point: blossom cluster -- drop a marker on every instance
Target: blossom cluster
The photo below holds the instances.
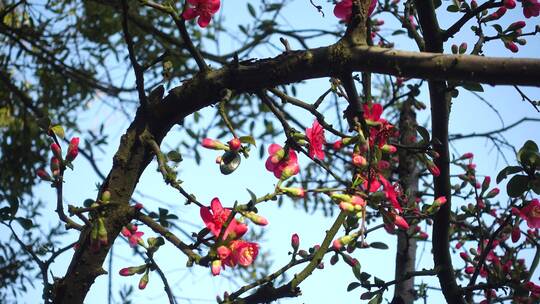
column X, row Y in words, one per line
column 231, row 249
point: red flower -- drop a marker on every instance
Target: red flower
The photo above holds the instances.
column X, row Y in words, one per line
column 343, row 9
column 282, row 167
column 373, row 113
column 315, row 136
column 202, row 8
column 531, row 213
column 134, row 236
column 215, row 216
column 531, row 8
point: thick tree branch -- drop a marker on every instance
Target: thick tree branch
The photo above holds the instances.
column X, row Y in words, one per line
column 440, row 100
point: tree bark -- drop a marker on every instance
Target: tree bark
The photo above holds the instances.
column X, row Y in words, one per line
column 408, row 177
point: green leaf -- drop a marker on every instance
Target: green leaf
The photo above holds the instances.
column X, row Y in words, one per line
column 535, row 186
column 452, row 8
column 498, row 28
column 378, row 245
column 473, row 86
column 398, row 32
column 507, row 171
column 251, row 10
column 517, row 185
column 437, row 3
column 58, row 130
column 248, row 140
column 25, row 223
column 423, row 132
column 528, row 154
column 364, row 276
column 352, row 286
column 253, row 196
column 356, row 271
column 174, row 156
column 378, row 281
column 376, row 300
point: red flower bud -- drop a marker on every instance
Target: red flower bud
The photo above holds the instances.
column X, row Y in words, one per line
column 213, row 144
column 511, row 46
column 42, row 174
column 295, row 242
column 516, row 234
column 401, row 222
column 73, row 149
column 235, row 144
column 509, row 4
column 57, row 151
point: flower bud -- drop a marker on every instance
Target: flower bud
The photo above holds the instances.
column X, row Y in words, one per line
column 297, row 192
column 215, row 267
column 214, row 144
column 102, row 232
column 454, row 49
column 516, row 26
column 463, row 48
column 144, row 280
column 57, row 151
column 129, row 271
column 509, row 4
column 295, row 242
column 516, row 234
column 464, row 256
column 106, row 196
column 55, row 166
column 235, row 144
column 433, row 168
column 511, row 46
column 73, row 149
column 492, row 193
column 358, row 160
column 485, row 183
column 389, row 149
column 43, row 175
column 289, row 171
column 401, row 222
column 467, row 155
column 256, row 219
column 469, row 270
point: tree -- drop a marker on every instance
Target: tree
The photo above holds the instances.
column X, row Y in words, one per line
column 381, row 173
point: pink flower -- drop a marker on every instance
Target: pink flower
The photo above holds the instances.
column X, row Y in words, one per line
column 243, row 252
column 531, row 8
column 343, row 9
column 531, row 213
column 215, row 216
column 73, row 149
column 134, row 236
column 315, row 136
column 282, row 167
column 202, row 8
